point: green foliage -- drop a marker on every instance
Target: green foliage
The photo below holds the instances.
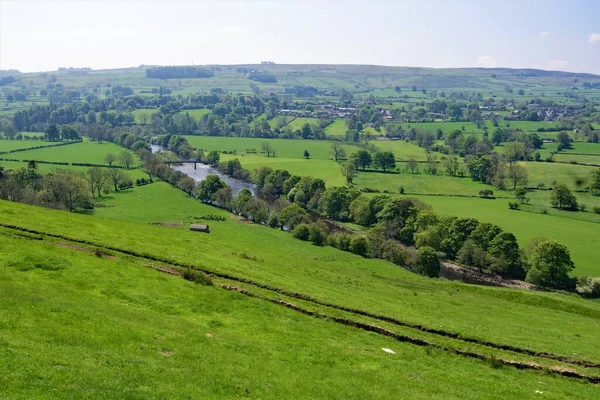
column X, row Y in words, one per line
column 198, row 277
column 359, row 245
column 318, row 233
column 208, row 187
column 427, row 262
column 588, row 286
column 384, row 160
column 301, row 231
column 561, row 197
column 550, row 265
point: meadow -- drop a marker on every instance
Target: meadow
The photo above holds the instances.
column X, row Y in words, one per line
column 90, row 326
column 286, row 148
column 85, row 152
column 247, row 251
column 9, row 145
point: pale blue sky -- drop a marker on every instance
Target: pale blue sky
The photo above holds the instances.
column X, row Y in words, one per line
column 545, row 34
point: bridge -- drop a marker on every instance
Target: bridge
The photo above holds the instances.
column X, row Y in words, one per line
column 195, row 162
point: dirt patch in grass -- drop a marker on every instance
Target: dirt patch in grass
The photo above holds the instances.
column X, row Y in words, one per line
column 241, row 220
column 456, row 272
column 168, row 224
column 71, row 246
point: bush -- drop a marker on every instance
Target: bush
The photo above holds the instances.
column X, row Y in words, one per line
column 513, row 205
column 318, row 233
column 197, row 277
column 301, row 231
column 588, row 286
column 340, row 241
column 597, row 209
column 486, row 193
column 427, row 262
column 359, row 245
column 583, row 207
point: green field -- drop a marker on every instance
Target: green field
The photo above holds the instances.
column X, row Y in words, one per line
column 527, row 319
column 8, row 145
column 100, row 324
column 286, row 148
column 337, row 128
column 402, row 150
column 85, row 152
column 574, row 176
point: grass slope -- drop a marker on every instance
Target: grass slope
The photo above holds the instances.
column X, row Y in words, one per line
column 109, row 328
column 527, row 319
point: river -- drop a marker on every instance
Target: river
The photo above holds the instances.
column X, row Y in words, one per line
column 202, row 170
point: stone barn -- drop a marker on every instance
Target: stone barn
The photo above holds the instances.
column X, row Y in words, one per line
column 199, row 228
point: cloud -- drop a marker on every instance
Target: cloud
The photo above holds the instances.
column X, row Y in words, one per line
column 231, row 29
column 594, row 37
column 545, row 33
column 558, row 64
column 486, row 61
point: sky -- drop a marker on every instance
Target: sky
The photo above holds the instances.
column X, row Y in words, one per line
column 543, row 34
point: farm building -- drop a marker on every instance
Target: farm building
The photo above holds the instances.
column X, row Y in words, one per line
column 199, row 228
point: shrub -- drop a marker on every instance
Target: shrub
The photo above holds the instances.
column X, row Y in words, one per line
column 359, row 245
column 197, row 277
column 486, row 193
column 301, row 231
column 597, row 209
column 513, row 205
column 318, row 233
column 340, row 241
column 427, row 262
column 588, row 286
column 583, row 207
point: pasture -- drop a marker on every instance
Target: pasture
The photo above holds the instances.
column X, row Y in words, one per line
column 85, row 152
column 246, row 250
column 286, row 148
column 9, row 145
column 93, row 325
column 337, row 128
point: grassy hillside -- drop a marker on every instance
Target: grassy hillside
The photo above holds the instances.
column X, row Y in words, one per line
column 246, row 251
column 75, row 325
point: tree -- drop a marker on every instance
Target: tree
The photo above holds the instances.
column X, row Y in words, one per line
column 208, row 187
column 412, row 165
column 187, row 184
column 427, row 262
column 116, row 176
column 110, row 159
column 595, row 185
column 384, row 160
column 561, row 197
column 126, row 159
column 363, row 158
column 267, row 148
column 213, row 157
column 306, row 154
column 67, row 132
column 318, row 233
column 96, row 178
column 506, row 256
column 521, row 194
column 293, row 215
column 337, row 151
column 484, row 234
column 52, row 133
column 301, row 231
column 517, row 175
column 563, row 139
column 335, row 202
column 224, row 197
column 67, row 189
column 515, row 151
column 349, row 171
column 359, row 245
column 550, row 265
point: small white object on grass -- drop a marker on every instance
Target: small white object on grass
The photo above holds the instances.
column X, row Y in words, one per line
column 389, row 351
